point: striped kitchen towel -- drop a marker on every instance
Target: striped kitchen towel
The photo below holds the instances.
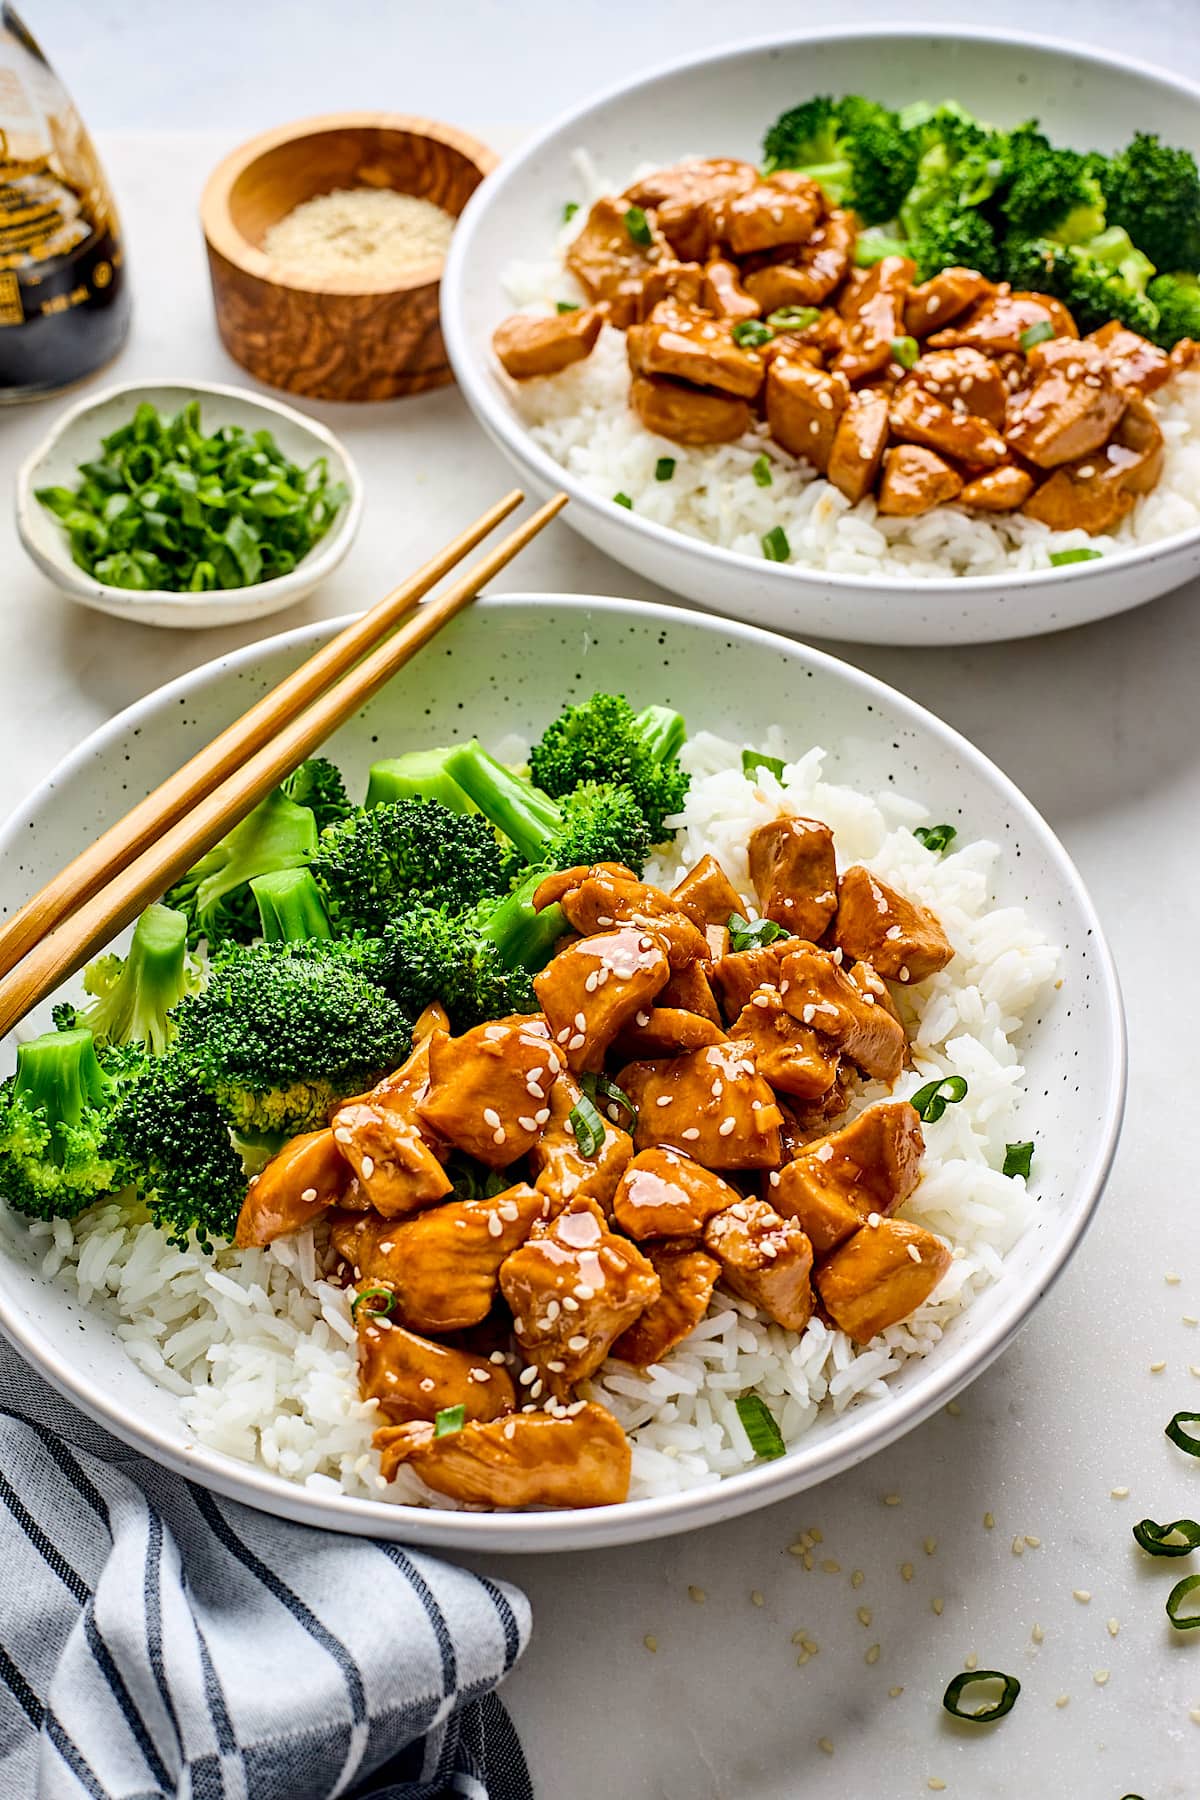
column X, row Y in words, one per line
column 160, row 1643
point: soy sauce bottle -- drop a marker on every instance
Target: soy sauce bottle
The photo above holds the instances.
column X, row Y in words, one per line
column 64, row 299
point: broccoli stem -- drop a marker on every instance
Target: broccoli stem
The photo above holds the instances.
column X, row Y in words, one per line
column 290, row 907
column 526, row 816
column 59, row 1074
column 134, row 1006
column 525, row 938
column 662, row 730
column 418, row 775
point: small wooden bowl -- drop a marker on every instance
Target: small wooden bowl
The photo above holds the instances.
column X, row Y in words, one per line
column 333, row 337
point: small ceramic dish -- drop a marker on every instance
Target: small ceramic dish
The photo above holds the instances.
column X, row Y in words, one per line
column 76, row 436
column 333, row 337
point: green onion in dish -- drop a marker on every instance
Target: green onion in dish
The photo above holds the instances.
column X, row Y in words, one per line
column 368, row 1295
column 587, row 1126
column 775, row 545
column 981, row 1715
column 751, row 333
column 1018, row 1159
column 664, row 468
column 449, row 1420
column 1035, row 334
column 166, row 506
column 793, row 318
column 566, row 306
column 760, row 468
column 1184, row 1440
column 1176, row 1598
column 638, row 226
column 603, row 1087
column 905, row 351
column 754, row 760
column 1060, row 558
column 766, row 1439
column 935, row 837
column 1179, row 1538
column 932, row 1100
column 623, row 500
column 754, row 934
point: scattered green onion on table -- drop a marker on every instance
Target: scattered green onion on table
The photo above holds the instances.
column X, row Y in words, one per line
column 166, row 506
column 1179, row 1538
column 981, row 1715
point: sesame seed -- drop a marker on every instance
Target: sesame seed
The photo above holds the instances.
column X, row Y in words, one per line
column 527, row 1376
column 937, row 1604
column 891, row 1500
column 499, row 1135
column 953, row 1408
column 577, row 1343
column 914, row 1253
column 863, row 1615
column 937, row 1786
column 491, row 1117
column 757, row 1598
column 1038, row 1635
column 857, row 1579
column 894, row 1693
column 698, row 1595
column 1063, row 1700
column 427, row 1385
column 343, row 1135
column 825, row 1744
column 1018, row 1546
column 906, row 1571
column 872, row 1655
column 527, row 1124
column 1156, row 1368
column 831, row 1567
column 495, row 1225
column 1034, row 1543
column 651, row 1643
column 498, row 1357
column 1172, row 1280
column 1119, row 1493
column 989, row 1521
column 1100, row 1677
column 726, row 1126
column 570, row 1303
column 691, row 1132
column 930, row 1546
column 1082, row 1595
column 308, row 1195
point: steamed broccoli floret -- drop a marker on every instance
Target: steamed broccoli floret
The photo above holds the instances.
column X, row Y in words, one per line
column 178, row 1153
column 853, row 147
column 1154, row 193
column 1097, row 281
column 603, row 739
column 959, row 162
column 291, row 908
column 595, row 822
column 318, row 785
column 215, row 893
column 1177, row 299
column 58, row 1150
column 1050, row 192
column 282, row 1031
column 409, row 853
column 134, row 996
column 949, row 236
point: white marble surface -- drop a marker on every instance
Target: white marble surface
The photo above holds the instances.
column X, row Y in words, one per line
column 1099, row 727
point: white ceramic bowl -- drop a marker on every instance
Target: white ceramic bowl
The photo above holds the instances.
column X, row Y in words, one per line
column 76, row 436
column 510, row 664
column 720, row 103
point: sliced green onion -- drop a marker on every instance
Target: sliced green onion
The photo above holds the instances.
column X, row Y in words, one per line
column 905, row 351
column 569, row 211
column 982, row 1715
column 1181, row 1438
column 587, row 1125
column 932, row 1100
column 1018, row 1159
column 566, row 306
column 775, row 545
column 754, row 760
column 758, row 1423
column 750, row 333
column 638, row 226
column 936, row 837
column 449, row 1420
column 1154, row 1538
column 1060, row 558
column 605, row 1088
column 664, row 468
column 747, row 934
column 760, row 468
column 373, row 1293
column 1036, row 334
column 793, row 318
column 623, row 500
column 1176, row 1598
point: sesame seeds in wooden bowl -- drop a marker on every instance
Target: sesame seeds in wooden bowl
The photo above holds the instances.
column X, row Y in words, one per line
column 321, row 286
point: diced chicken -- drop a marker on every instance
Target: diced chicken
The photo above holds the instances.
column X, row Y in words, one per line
column 680, row 194
column 687, row 1276
column 712, row 1104
column 807, row 275
column 414, row 1378
column 681, row 282
column 737, row 975
column 933, row 304
column 1087, row 496
column 550, row 891
column 308, row 1175
column 918, row 416
column 914, row 481
column 562, row 1170
column 1136, row 448
column 396, row 1170
column 688, row 415
column 964, row 378
column 594, row 987
column 794, row 872
column 1072, row 407
column 820, row 994
column 901, row 940
column 1137, row 365
column 806, row 1120
column 997, row 324
column 879, row 1276
column 804, row 405
column 488, row 1088
column 706, row 893
column 444, row 1264
column 527, row 1459
column 601, row 901
column 867, row 981
column 765, row 1259
column 858, row 444
column 667, row 1031
column 664, row 1194
column 722, row 292
column 789, row 1055
column 688, row 991
column 768, row 216
column 694, row 347
column 867, row 1167
column 874, row 315
column 529, row 346
column 718, row 937
column 1184, row 355
column 605, row 253
column 573, row 1287
column 1002, row 489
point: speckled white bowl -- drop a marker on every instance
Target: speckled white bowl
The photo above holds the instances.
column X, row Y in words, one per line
column 720, row 103
column 510, row 664
column 76, row 436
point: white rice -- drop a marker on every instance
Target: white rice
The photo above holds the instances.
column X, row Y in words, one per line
column 261, row 1350
column 582, row 419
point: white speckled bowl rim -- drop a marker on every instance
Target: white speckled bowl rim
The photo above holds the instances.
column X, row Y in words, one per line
column 889, row 726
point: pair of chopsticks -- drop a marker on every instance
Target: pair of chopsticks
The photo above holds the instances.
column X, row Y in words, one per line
column 137, row 859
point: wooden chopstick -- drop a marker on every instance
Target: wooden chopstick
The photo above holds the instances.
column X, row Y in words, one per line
column 138, row 882
column 147, row 821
